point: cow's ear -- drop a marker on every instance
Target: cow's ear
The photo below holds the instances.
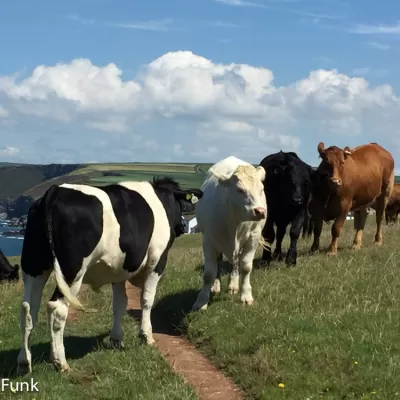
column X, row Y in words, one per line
column 190, row 195
column 347, row 152
column 321, row 148
column 223, row 179
column 260, row 171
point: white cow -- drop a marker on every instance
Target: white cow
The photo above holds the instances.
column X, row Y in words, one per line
column 231, row 216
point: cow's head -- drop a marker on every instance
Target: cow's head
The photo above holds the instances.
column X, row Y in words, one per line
column 333, row 160
column 173, row 197
column 245, row 191
column 9, row 274
column 286, row 179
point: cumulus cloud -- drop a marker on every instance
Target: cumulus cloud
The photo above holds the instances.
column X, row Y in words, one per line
column 184, row 107
column 8, row 151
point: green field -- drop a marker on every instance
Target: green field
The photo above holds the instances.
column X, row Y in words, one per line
column 186, row 174
column 328, row 328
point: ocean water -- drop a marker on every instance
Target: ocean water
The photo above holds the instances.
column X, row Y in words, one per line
column 9, row 245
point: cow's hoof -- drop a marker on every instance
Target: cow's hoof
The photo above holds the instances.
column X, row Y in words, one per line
column 24, row 368
column 331, row 253
column 198, row 307
column 146, row 339
column 116, row 344
column 378, row 244
column 233, row 290
column 62, row 367
column 356, row 247
column 216, row 287
column 247, row 299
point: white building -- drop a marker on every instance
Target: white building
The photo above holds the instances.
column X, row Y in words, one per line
column 190, row 224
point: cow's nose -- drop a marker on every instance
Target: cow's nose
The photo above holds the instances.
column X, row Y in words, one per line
column 337, row 181
column 260, row 212
column 297, row 200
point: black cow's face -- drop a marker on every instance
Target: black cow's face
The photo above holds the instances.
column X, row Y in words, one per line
column 181, row 196
column 284, row 178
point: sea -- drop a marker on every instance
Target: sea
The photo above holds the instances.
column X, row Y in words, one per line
column 11, row 246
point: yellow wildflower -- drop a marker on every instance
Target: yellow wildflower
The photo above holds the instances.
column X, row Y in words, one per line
column 281, row 385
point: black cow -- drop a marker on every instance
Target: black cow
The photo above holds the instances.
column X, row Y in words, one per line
column 97, row 235
column 8, row 273
column 287, row 188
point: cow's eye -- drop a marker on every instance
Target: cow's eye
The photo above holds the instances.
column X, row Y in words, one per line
column 240, row 190
column 276, row 172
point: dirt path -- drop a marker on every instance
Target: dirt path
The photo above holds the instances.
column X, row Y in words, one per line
column 184, row 358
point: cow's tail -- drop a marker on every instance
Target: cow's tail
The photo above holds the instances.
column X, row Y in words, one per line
column 264, row 244
column 60, row 280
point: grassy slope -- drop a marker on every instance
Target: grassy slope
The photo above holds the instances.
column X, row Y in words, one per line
column 188, row 175
column 328, row 328
column 138, row 372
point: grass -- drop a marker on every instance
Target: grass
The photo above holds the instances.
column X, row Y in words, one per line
column 138, row 372
column 328, row 328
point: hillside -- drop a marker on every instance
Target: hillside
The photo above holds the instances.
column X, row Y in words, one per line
column 20, row 184
column 15, row 179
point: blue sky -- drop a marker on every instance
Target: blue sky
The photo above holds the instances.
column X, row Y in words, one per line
column 196, row 80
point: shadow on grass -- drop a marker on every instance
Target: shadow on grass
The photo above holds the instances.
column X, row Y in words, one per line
column 76, row 347
column 167, row 316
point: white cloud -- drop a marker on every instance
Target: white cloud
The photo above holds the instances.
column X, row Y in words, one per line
column 379, row 45
column 362, row 71
column 163, row 25
column 184, row 107
column 8, row 151
column 240, row 3
column 223, row 24
column 381, row 29
column 4, row 113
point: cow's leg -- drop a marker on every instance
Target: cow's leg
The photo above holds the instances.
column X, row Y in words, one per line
column 268, row 234
column 246, row 266
column 57, row 313
column 317, row 225
column 280, row 234
column 360, row 218
column 336, row 230
column 306, row 225
column 295, row 229
column 310, row 227
column 33, row 289
column 120, row 302
column 216, row 287
column 209, row 275
column 233, row 287
column 146, row 304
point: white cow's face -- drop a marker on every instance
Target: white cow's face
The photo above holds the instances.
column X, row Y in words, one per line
column 246, row 192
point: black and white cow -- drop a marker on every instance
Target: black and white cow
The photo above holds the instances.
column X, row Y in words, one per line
column 8, row 273
column 97, row 236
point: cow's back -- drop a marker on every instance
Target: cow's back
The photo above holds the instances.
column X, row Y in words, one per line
column 368, row 174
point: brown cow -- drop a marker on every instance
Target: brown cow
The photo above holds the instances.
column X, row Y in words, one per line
column 393, row 206
column 351, row 180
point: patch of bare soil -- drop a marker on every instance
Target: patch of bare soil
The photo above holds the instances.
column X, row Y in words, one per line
column 185, row 359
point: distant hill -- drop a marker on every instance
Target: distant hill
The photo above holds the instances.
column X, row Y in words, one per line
column 20, row 184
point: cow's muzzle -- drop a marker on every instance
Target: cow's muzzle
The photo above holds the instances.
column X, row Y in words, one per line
column 336, row 181
column 260, row 212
